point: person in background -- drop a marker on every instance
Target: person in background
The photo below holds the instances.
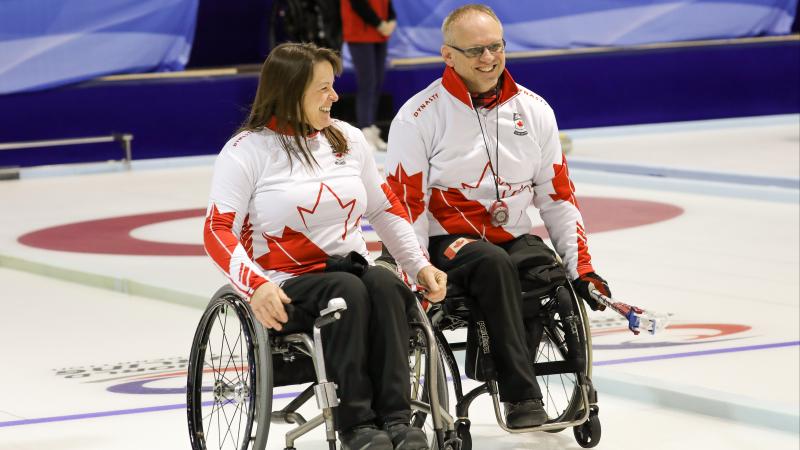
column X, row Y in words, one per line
column 366, row 27
column 284, row 225
column 466, row 157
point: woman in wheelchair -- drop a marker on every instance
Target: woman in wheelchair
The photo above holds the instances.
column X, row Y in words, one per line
column 283, row 223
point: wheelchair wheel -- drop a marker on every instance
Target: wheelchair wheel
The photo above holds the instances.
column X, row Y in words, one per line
column 229, row 383
column 588, row 433
column 563, row 322
column 418, row 361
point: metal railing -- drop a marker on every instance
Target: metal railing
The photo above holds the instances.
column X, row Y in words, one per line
column 123, row 138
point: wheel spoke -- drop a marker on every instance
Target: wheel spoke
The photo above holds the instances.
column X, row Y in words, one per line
column 229, row 423
column 239, row 429
column 227, row 344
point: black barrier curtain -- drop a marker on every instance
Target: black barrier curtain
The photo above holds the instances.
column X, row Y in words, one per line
column 316, row 21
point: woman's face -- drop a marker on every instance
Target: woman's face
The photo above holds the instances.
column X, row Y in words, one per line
column 319, row 96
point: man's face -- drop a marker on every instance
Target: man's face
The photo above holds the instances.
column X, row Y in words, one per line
column 480, row 73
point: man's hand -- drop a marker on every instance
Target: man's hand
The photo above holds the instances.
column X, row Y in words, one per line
column 387, row 28
column 434, row 281
column 588, row 281
column 267, row 304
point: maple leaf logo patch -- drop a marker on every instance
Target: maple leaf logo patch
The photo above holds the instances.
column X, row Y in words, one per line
column 519, row 125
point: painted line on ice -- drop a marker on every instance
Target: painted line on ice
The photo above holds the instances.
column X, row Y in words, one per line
column 294, row 394
column 697, row 353
column 671, row 172
column 119, row 412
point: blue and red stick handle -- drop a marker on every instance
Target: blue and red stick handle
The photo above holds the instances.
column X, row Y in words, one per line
column 638, row 318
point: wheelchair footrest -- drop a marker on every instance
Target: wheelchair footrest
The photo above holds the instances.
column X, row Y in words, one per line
column 556, row 367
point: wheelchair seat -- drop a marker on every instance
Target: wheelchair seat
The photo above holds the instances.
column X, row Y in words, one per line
column 456, row 305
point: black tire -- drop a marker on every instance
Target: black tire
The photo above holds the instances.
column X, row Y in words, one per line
column 418, row 360
column 229, row 382
column 452, row 445
column 588, row 433
column 463, row 433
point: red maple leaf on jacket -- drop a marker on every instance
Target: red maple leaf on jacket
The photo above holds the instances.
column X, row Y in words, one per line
column 292, row 253
column 408, row 189
column 349, row 206
column 563, row 186
column 503, row 187
column 396, row 207
column 460, row 215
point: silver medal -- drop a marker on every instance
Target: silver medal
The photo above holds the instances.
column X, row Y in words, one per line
column 499, row 213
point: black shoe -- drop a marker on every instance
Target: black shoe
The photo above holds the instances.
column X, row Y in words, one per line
column 524, row 414
column 405, row 437
column 365, row 437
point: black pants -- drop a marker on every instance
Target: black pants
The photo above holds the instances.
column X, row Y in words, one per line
column 487, row 273
column 366, row 351
column 369, row 61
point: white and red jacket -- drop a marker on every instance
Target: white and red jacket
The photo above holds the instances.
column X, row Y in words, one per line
column 269, row 220
column 437, row 165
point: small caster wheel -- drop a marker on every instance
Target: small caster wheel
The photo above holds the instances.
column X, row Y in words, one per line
column 588, row 433
column 462, row 431
column 452, row 444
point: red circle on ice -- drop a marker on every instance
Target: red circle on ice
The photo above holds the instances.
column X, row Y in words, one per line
column 113, row 235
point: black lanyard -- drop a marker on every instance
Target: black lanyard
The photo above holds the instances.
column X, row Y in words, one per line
column 495, row 173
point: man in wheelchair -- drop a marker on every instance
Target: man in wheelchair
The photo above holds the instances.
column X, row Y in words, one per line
column 466, row 165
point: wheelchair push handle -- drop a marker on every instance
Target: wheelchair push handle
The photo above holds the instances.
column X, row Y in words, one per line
column 332, row 313
column 638, row 318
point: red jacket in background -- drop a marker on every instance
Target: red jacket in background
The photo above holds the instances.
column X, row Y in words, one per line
column 356, row 29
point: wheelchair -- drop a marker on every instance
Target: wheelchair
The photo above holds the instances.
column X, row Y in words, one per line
column 559, row 342
column 235, row 363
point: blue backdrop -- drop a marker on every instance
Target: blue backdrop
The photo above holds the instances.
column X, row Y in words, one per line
column 46, row 43
column 533, row 25
column 65, row 41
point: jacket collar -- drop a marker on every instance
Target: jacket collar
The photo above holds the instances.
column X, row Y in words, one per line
column 456, row 87
column 287, row 130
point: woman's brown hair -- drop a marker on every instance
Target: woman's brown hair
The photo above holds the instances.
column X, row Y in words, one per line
column 286, row 73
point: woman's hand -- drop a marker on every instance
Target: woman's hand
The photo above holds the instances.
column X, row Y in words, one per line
column 387, row 28
column 267, row 304
column 434, row 281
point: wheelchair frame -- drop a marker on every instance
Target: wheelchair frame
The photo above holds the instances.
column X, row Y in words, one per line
column 245, row 382
column 582, row 410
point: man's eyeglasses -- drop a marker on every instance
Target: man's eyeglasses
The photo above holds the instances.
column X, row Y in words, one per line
column 474, row 52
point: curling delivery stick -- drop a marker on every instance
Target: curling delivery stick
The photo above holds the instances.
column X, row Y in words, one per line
column 638, row 318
